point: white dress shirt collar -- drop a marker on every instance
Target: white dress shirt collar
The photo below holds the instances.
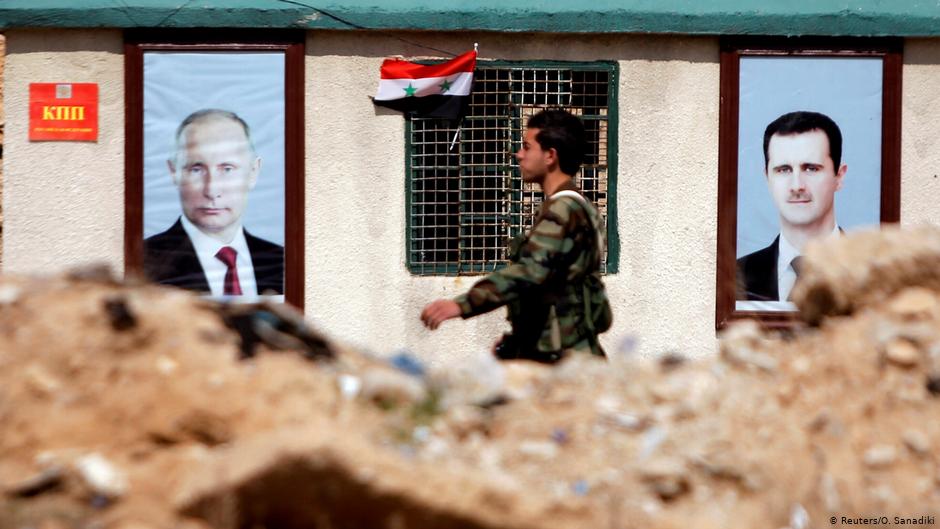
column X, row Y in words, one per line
column 786, row 276
column 206, row 247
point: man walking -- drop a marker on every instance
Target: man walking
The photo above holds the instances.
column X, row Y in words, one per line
column 552, row 288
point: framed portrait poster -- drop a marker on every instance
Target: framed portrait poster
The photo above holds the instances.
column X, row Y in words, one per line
column 214, row 163
column 809, row 149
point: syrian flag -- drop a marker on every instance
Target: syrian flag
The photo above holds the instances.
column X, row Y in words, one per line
column 435, row 91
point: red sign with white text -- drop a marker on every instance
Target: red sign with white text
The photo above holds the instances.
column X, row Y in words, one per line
column 63, row 112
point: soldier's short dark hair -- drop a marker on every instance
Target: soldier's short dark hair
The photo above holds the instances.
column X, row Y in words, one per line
column 207, row 113
column 563, row 132
column 804, row 121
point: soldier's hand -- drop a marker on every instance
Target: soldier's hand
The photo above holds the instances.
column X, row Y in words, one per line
column 437, row 311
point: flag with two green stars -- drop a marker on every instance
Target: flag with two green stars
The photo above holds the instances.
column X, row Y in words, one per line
column 435, row 91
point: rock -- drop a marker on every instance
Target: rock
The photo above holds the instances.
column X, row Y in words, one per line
column 609, row 412
column 917, row 442
column 215, row 380
column 829, row 493
column 933, row 384
column 667, row 478
column 539, row 449
column 902, row 353
column 666, row 391
column 671, row 361
column 349, row 386
column 627, row 421
column 801, row 365
column 464, row 420
column 742, row 345
column 45, row 480
column 651, row 441
column 119, row 313
column 436, row 448
column 820, row 420
column 913, row 304
column 479, row 380
column 40, row 381
column 101, row 476
column 205, row 426
column 880, row 456
column 524, row 378
column 166, row 365
column 9, row 294
column 882, row 494
column 799, row 518
column 389, row 387
column 786, row 393
column 726, row 465
column 744, row 332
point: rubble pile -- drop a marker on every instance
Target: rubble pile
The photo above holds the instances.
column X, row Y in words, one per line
column 133, row 406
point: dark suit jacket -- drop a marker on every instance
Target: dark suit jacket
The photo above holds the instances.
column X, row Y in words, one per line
column 757, row 274
column 170, row 259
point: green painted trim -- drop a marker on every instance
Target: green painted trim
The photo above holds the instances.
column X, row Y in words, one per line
column 867, row 18
column 409, row 264
column 613, row 176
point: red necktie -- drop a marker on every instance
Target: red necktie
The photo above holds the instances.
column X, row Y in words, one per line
column 227, row 255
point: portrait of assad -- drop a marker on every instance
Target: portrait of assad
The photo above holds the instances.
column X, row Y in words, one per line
column 803, row 171
column 214, row 168
column 809, row 166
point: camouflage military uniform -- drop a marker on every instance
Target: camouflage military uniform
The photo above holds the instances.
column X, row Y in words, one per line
column 551, row 285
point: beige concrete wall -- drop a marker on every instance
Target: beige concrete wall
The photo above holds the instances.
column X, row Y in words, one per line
column 3, row 54
column 63, row 202
column 920, row 132
column 664, row 294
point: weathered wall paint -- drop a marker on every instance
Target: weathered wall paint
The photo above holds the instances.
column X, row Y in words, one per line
column 63, row 202
column 713, row 17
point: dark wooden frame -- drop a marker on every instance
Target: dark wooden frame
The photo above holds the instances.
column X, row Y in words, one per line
column 732, row 49
column 292, row 44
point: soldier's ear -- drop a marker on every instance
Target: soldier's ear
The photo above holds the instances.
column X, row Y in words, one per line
column 553, row 155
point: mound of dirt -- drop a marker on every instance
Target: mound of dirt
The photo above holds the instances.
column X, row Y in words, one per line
column 132, row 406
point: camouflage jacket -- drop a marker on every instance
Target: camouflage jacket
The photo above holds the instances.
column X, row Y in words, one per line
column 554, row 269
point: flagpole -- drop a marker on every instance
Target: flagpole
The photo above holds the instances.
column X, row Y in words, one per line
column 454, row 141
column 476, row 48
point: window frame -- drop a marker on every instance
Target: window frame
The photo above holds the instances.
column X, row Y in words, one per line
column 612, row 235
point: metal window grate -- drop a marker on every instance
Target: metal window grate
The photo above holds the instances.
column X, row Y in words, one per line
column 467, row 198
